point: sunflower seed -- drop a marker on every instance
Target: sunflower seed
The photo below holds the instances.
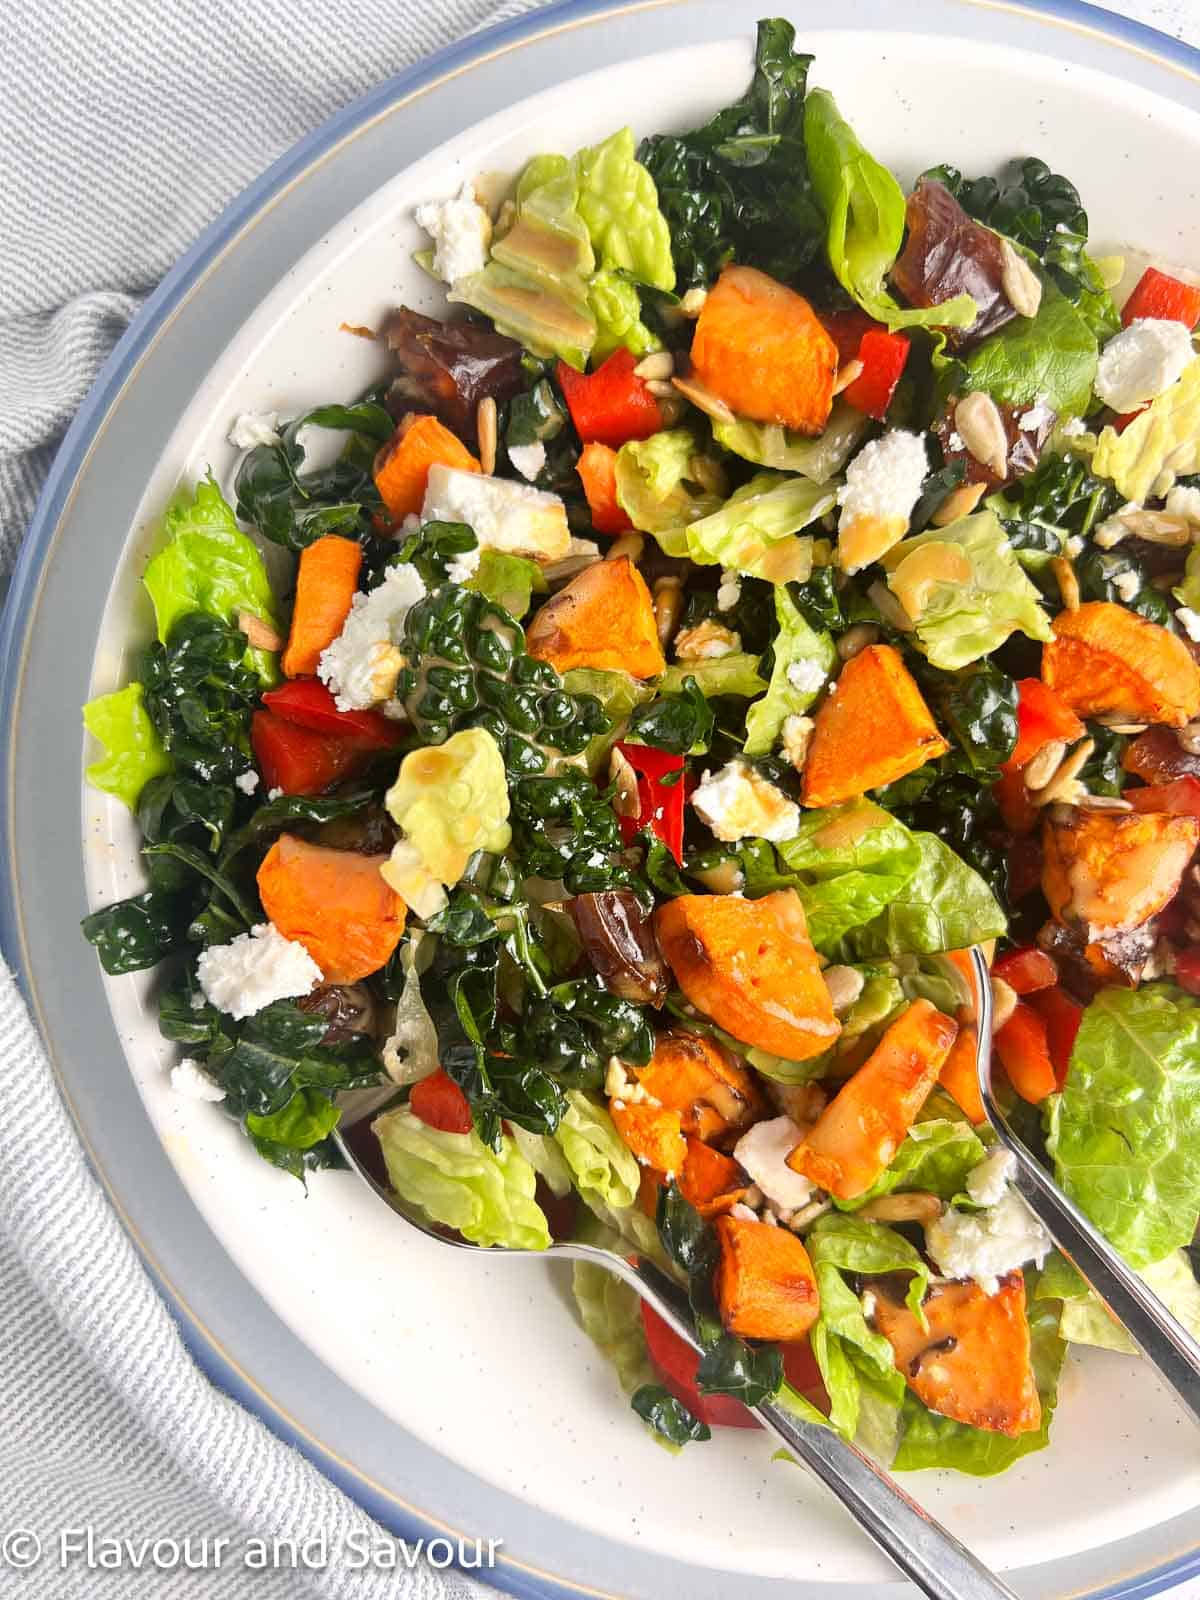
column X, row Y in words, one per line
column 1103, row 802
column 660, row 388
column 1004, row 1003
column 978, row 420
column 668, row 603
column 258, row 633
column 1020, row 283
column 629, row 544
column 658, row 364
column 1045, row 764
column 485, row 427
column 845, row 984
column 1157, row 528
column 703, row 399
column 1189, row 738
column 917, row 1206
column 958, row 503
column 625, row 801
column 1068, row 583
column 692, row 303
column 857, row 639
column 846, row 375
column 1063, row 785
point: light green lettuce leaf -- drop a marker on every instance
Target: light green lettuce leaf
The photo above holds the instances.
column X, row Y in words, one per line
column 796, row 645
column 936, row 1156
column 732, row 674
column 600, row 1161
column 944, row 905
column 619, row 694
column 1160, row 445
column 510, row 581
column 610, row 1312
column 1125, row 1129
column 457, row 1180
column 133, row 752
column 618, row 201
column 1051, row 357
column 209, row 564
column 654, row 485
column 1188, row 592
column 855, row 859
column 1086, row 1320
column 617, row 308
column 768, row 444
column 932, row 1441
column 865, row 210
column 961, row 619
column 744, row 533
column 546, row 1158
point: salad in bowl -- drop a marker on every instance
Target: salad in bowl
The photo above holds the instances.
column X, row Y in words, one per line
column 758, row 586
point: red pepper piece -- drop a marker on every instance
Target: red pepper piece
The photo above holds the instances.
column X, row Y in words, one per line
column 1017, row 809
column 1041, row 716
column 1178, row 799
column 1061, row 1016
column 847, row 329
column 676, row 1363
column 597, row 469
column 612, row 404
column 1122, row 420
column 660, row 805
column 1025, row 857
column 1026, row 970
column 440, row 1103
column 299, row 761
column 883, row 356
column 309, row 704
column 1024, row 1051
column 1158, row 295
column 1187, row 969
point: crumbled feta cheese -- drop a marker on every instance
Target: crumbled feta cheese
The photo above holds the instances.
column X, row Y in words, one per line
column 743, row 1213
column 737, row 803
column 274, row 794
column 956, row 441
column 507, row 516
column 763, row 1151
column 1127, row 585
column 1072, row 427
column 1039, row 415
column 190, row 1080
column 987, row 1245
column 461, row 231
column 707, row 641
column 247, row 782
column 464, row 567
column 362, row 664
column 1075, row 546
column 254, row 969
column 869, row 1302
column 883, row 482
column 795, row 736
column 529, row 459
column 730, row 591
column 806, row 676
column 1183, row 501
column 1140, row 362
column 1189, row 621
column 253, row 428
column 987, row 1182
column 1112, row 530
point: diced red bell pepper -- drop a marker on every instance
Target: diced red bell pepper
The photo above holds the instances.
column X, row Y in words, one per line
column 612, row 404
column 1041, row 716
column 1157, row 294
column 883, row 356
column 1024, row 864
column 1187, row 969
column 309, row 704
column 597, row 469
column 1123, row 418
column 1026, row 970
column 800, row 1369
column 440, row 1103
column 1178, row 799
column 1062, row 1017
column 299, row 761
column 847, row 329
column 660, row 804
column 1018, row 810
column 676, row 1363
column 1024, row 1052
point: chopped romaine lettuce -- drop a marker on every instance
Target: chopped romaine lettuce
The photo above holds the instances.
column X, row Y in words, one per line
column 619, row 203
column 1160, row 445
column 208, row 564
column 617, row 308
column 733, row 674
column 854, row 860
column 864, row 209
column 1188, row 592
column 936, row 1157
column 1124, row 1130
column 745, row 534
column 133, row 752
column 1049, row 358
column 1086, row 1320
column 768, row 444
column 611, row 1313
column 486, row 1195
column 654, row 485
column 803, row 661
column 510, row 581
column 965, row 590
column 943, row 905
column 600, row 1161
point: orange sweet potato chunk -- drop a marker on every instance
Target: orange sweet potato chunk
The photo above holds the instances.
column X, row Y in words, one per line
column 750, row 966
column 604, row 618
column 325, row 586
column 972, row 1363
column 1104, row 658
column 402, row 465
column 651, row 1132
column 862, row 1127
column 760, row 347
column 333, row 902
column 1107, row 872
column 697, row 1077
column 765, row 1284
column 959, row 1076
column 872, row 728
column 710, row 1181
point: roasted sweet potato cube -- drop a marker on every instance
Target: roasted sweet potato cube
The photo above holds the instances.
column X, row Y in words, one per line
column 972, row 1361
column 862, row 1127
column 604, row 618
column 710, row 1181
column 872, row 728
column 402, row 465
column 651, row 1132
column 959, row 1077
column 750, row 966
column 1108, row 872
column 697, row 1077
column 1105, row 659
column 765, row 1285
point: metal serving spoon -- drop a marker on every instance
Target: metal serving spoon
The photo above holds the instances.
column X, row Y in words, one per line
column 1164, row 1341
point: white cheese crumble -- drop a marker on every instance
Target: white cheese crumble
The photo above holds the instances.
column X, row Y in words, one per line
column 707, row 641
column 461, row 231
column 1140, row 362
column 529, row 459
column 189, row 1079
column 729, row 592
column 806, row 676
column 464, row 567
column 253, row 428
column 956, row 440
column 1189, row 621
column 884, row 479
column 1183, row 501
column 989, row 1244
column 795, row 736
column 1039, row 415
column 247, row 782
column 987, row 1182
column 737, row 803
column 1075, row 546
column 1127, row 585
column 362, row 664
column 274, row 794
column 1072, row 427
column 507, row 516
column 763, row 1151
column 254, row 969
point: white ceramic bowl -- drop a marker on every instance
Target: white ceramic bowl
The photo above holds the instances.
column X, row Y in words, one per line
column 454, row 1390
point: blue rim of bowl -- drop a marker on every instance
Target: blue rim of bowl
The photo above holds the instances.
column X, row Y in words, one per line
column 515, row 1577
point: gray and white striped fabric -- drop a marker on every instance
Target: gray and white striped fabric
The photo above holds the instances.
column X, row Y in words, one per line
column 125, row 126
